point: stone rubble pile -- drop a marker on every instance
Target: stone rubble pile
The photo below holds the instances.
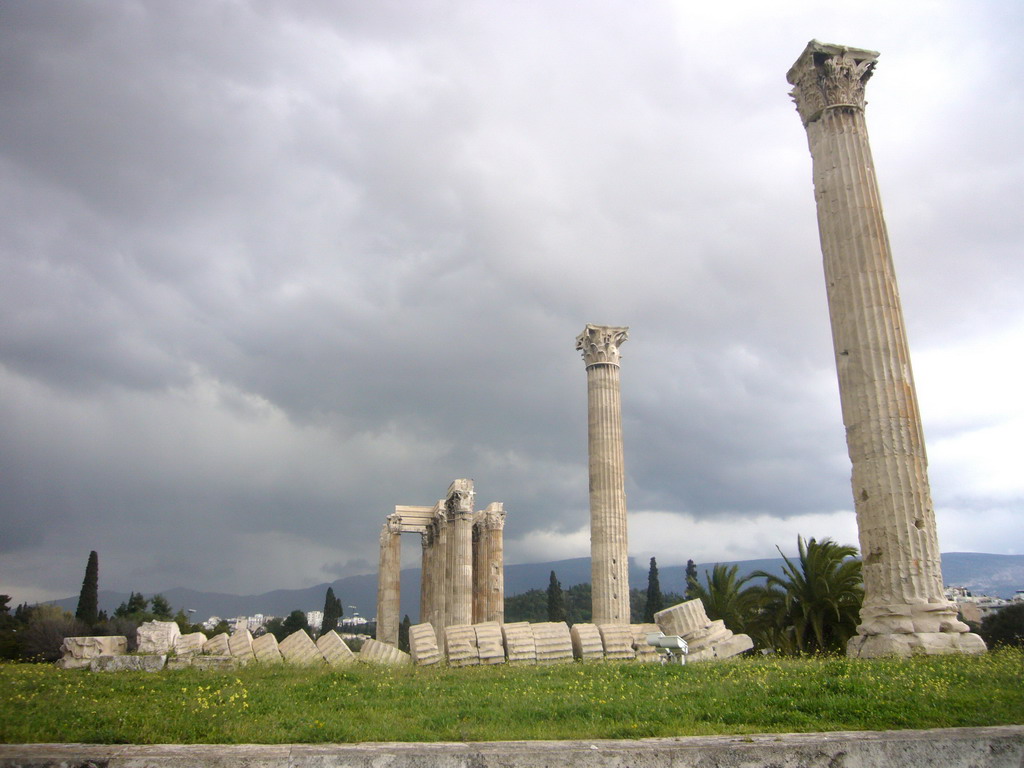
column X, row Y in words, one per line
column 462, row 645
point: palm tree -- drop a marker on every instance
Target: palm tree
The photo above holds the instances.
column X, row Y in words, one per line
column 723, row 596
column 814, row 606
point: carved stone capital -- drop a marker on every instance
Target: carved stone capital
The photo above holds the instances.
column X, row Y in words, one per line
column 494, row 516
column 600, row 344
column 459, row 499
column 827, row 76
column 392, row 527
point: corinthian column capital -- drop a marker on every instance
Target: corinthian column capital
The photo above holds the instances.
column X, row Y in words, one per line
column 459, row 499
column 600, row 344
column 827, row 76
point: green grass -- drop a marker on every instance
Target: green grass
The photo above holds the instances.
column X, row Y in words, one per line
column 573, row 701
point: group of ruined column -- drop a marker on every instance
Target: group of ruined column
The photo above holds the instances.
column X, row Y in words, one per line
column 462, row 569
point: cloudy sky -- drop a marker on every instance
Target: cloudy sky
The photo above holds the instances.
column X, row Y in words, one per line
column 271, row 268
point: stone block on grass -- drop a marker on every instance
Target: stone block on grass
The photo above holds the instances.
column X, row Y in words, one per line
column 553, row 641
column 299, row 648
column 460, row 645
column 240, row 646
column 265, row 649
column 618, row 642
column 489, row 645
column 217, row 645
column 645, row 652
column 520, row 647
column 222, row 661
column 157, row 636
column 190, row 644
column 586, row 642
column 376, row 652
column 77, row 652
column 150, row 662
column 334, row 649
column 423, row 645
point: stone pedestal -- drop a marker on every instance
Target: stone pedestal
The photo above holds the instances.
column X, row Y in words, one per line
column 903, row 592
column 609, row 560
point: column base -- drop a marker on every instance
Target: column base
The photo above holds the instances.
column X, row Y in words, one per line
column 913, row 644
column 910, row 618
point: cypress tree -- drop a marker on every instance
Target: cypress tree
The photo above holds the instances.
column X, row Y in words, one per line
column 556, row 600
column 88, row 598
column 332, row 612
column 403, row 633
column 654, row 602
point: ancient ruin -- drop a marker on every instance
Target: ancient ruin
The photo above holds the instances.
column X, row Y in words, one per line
column 609, row 559
column 462, row 573
column 904, row 610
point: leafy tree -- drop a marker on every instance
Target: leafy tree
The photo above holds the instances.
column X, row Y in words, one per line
column 161, row 608
column 578, row 604
column 691, row 573
column 135, row 604
column 88, row 599
column 46, row 630
column 724, row 597
column 403, row 634
column 1004, row 627
column 529, row 606
column 275, row 627
column 332, row 612
column 654, row 602
column 295, row 621
column 814, row 606
column 556, row 600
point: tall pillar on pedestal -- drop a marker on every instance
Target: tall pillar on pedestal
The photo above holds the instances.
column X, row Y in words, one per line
column 904, row 609
column 493, row 524
column 388, row 586
column 459, row 511
column 609, row 561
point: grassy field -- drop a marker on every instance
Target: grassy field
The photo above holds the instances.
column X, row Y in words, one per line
column 39, row 703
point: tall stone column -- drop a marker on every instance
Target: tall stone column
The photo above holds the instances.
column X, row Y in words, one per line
column 388, row 581
column 494, row 584
column 609, row 562
column 459, row 510
column 426, row 576
column 904, row 609
column 440, row 569
column 480, row 557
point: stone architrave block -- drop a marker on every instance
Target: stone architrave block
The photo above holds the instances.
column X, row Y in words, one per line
column 219, row 661
column 217, row 645
column 77, row 652
column 334, row 649
column 298, row 648
column 240, row 646
column 460, row 645
column 423, row 645
column 190, row 644
column 376, row 652
column 682, row 619
column 618, row 641
column 157, row 637
column 265, row 649
column 151, row 662
column 644, row 652
column 553, row 641
column 489, row 644
column 586, row 642
column 520, row 647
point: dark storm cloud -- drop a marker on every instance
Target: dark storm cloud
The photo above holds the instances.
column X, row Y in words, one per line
column 272, row 268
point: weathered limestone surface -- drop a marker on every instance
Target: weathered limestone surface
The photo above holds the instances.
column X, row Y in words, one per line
column 216, row 661
column 240, row 646
column 157, row 636
column 553, row 641
column 299, row 648
column 376, row 652
column 644, row 651
column 334, row 649
column 586, row 642
column 148, row 663
column 178, row 662
column 423, row 645
column 266, row 650
column 77, row 652
column 190, row 644
column 459, row 509
column 903, row 590
column 388, row 581
column 520, row 647
column 460, row 645
column 707, row 640
column 618, row 641
column 489, row 644
column 217, row 645
column 609, row 560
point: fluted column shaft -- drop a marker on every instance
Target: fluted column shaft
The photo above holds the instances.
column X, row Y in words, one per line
column 480, row 558
column 462, row 581
column 388, row 583
column 426, row 577
column 903, row 590
column 609, row 560
column 440, row 565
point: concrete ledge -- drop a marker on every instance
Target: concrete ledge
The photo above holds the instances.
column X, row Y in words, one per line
column 995, row 747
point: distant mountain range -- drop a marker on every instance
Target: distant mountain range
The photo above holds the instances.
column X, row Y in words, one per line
column 997, row 575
